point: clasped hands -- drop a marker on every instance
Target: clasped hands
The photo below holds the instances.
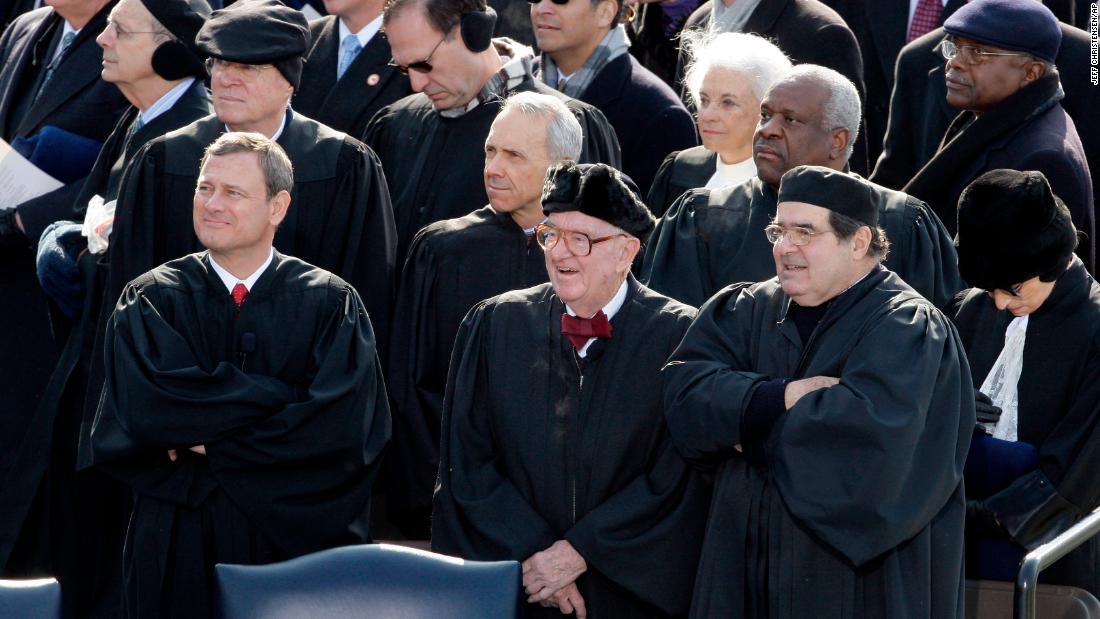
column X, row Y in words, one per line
column 550, row 578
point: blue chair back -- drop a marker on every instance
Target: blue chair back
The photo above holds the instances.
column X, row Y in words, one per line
column 30, row 599
column 372, row 580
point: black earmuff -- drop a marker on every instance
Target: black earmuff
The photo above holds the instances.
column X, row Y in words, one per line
column 477, row 29
column 173, row 60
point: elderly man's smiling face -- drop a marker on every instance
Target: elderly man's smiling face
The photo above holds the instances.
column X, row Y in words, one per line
column 824, row 267
column 587, row 283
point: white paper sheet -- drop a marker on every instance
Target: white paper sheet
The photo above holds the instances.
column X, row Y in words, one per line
column 21, row 180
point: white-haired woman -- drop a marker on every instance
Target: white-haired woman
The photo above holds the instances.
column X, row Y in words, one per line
column 727, row 76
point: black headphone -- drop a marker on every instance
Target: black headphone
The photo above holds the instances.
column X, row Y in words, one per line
column 476, row 29
column 172, row 60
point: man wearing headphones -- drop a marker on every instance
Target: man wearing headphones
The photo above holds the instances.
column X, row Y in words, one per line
column 431, row 143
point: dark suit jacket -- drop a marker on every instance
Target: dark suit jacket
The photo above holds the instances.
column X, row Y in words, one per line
column 919, row 113
column 646, row 114
column 347, row 105
column 808, row 32
column 76, row 99
column 881, row 28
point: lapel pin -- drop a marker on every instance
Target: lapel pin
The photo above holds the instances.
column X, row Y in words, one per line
column 373, row 79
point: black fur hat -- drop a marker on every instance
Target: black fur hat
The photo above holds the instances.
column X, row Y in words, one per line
column 1011, row 228
column 599, row 191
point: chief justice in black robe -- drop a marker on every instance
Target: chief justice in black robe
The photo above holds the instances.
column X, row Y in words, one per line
column 835, row 408
column 709, row 239
column 1037, row 474
column 432, row 155
column 248, row 418
column 555, row 439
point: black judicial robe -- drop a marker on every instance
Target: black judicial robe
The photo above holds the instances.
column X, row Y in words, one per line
column 452, row 265
column 76, row 521
column 538, row 446
column 434, row 164
column 857, row 507
column 294, row 424
column 713, row 238
column 1059, row 409
column 680, row 171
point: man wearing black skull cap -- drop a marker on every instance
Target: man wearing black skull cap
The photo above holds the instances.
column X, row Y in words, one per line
column 1031, row 327
column 835, row 407
column 554, row 450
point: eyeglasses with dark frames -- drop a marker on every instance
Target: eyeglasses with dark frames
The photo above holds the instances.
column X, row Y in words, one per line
column 579, row 243
column 970, row 54
column 420, row 66
column 797, row 235
column 558, row 2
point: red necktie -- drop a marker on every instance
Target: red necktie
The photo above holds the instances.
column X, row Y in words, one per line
column 925, row 19
column 580, row 330
column 239, row 293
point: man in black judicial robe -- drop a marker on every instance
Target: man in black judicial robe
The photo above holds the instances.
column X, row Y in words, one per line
column 1016, row 243
column 431, row 143
column 76, row 525
column 76, row 101
column 346, row 96
column 452, row 265
column 834, row 405
column 709, row 239
column 243, row 402
column 553, row 448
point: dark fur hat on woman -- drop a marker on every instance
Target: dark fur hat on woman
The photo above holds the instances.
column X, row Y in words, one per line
column 599, row 191
column 1012, row 228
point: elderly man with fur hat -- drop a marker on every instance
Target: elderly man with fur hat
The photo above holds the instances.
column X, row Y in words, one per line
column 1000, row 75
column 835, row 406
column 554, row 450
column 1031, row 327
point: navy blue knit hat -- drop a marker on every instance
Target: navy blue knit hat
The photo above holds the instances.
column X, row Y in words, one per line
column 1017, row 25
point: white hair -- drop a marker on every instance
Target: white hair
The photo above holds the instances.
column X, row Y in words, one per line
column 563, row 133
column 755, row 57
column 842, row 110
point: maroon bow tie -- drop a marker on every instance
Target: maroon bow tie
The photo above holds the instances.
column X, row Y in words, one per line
column 580, row 330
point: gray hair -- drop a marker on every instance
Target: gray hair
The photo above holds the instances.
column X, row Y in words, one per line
column 846, row 227
column 755, row 57
column 842, row 110
column 275, row 165
column 563, row 133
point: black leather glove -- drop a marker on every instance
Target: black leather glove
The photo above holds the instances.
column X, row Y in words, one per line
column 11, row 237
column 981, row 520
column 986, row 412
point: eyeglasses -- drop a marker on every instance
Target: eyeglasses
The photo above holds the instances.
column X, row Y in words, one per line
column 797, row 236
column 218, row 66
column 558, row 2
column 1014, row 291
column 421, row 66
column 120, row 33
column 970, row 54
column 579, row 243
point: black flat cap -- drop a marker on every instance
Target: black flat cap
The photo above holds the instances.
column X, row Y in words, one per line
column 1011, row 228
column 184, row 19
column 599, row 191
column 820, row 186
column 1017, row 25
column 258, row 32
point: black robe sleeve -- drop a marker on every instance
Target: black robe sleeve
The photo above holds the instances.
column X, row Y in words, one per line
column 675, row 261
column 922, row 252
column 477, row 513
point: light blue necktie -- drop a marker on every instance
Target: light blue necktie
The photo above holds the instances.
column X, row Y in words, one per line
column 349, row 49
column 66, row 41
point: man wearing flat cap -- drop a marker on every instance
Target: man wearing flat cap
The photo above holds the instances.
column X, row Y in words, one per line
column 554, row 450
column 1000, row 75
column 1031, row 328
column 149, row 55
column 431, row 142
column 834, row 406
column 709, row 239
